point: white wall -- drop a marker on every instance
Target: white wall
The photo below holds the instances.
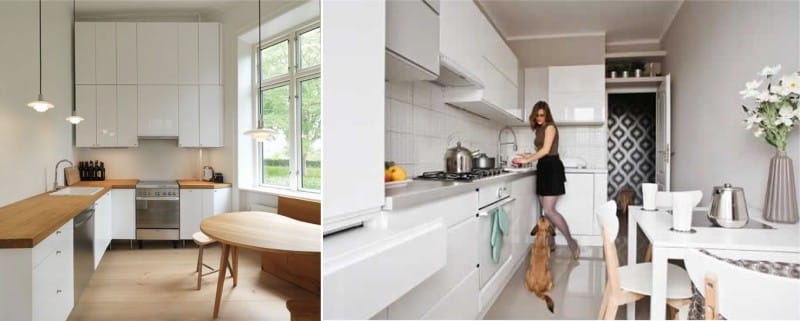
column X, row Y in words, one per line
column 713, row 48
column 154, row 159
column 32, row 142
column 418, row 125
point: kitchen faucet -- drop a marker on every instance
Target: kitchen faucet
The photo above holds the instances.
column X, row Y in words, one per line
column 55, row 175
column 504, row 162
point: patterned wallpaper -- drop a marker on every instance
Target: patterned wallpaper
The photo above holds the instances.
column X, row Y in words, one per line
column 631, row 142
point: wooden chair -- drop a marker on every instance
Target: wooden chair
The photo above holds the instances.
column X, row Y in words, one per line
column 625, row 198
column 740, row 293
column 202, row 240
column 632, row 282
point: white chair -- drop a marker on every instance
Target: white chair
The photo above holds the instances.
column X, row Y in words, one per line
column 740, row 293
column 632, row 282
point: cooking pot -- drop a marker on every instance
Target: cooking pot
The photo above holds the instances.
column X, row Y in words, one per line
column 481, row 161
column 728, row 206
column 458, row 160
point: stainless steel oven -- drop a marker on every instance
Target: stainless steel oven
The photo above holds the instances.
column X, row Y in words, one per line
column 157, row 210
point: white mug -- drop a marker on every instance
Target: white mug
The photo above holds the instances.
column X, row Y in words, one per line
column 649, row 196
column 682, row 205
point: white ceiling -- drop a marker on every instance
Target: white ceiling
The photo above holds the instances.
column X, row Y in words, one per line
column 620, row 21
column 93, row 8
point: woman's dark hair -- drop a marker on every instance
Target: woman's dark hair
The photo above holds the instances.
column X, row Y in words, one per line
column 548, row 116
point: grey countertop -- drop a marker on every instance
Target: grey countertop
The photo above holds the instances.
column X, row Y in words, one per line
column 419, row 191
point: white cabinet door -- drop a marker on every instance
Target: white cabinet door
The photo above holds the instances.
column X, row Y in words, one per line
column 222, row 200
column 412, row 33
column 461, row 24
column 158, row 111
column 187, row 54
column 577, row 205
column 126, row 53
column 106, row 115
column 105, row 53
column 586, row 106
column 84, row 53
column 123, row 209
column 461, row 260
column 207, row 204
column 86, row 106
column 189, row 116
column 577, row 78
column 536, row 88
column 127, row 116
column 211, row 114
column 191, row 212
column 460, row 304
column 209, row 54
column 157, row 53
column 498, row 53
column 102, row 227
column 525, row 210
column 600, row 197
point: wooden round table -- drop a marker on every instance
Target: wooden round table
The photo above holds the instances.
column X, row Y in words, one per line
column 260, row 231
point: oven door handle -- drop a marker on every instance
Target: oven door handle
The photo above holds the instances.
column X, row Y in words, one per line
column 487, row 210
column 157, row 198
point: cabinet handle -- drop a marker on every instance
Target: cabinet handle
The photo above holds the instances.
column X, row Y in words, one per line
column 58, row 291
column 58, row 252
column 58, row 232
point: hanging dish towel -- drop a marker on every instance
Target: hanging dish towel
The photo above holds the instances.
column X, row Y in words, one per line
column 500, row 227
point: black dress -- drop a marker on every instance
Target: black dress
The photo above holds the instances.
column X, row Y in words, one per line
column 550, row 175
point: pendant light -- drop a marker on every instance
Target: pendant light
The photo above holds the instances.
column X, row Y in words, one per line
column 74, row 118
column 260, row 134
column 40, row 104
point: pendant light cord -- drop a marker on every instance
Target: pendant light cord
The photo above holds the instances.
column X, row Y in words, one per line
column 40, row 49
column 258, row 72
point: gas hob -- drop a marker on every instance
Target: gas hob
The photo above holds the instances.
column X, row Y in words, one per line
column 461, row 177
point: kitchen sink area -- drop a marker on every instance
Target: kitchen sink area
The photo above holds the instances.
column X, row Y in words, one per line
column 77, row 191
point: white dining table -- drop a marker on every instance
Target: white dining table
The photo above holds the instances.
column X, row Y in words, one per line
column 779, row 244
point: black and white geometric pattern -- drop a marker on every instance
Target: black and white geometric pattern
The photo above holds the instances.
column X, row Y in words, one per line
column 631, row 142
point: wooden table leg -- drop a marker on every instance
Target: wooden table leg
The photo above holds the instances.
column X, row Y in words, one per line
column 223, row 266
column 235, row 265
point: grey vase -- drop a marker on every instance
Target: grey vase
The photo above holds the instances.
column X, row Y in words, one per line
column 780, row 203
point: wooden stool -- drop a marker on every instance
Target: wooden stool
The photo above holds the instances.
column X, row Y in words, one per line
column 303, row 310
column 624, row 198
column 202, row 241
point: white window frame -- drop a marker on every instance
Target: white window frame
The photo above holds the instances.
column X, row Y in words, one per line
column 293, row 79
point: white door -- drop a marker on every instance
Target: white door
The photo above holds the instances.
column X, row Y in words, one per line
column 663, row 148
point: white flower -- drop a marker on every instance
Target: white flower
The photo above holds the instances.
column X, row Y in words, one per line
column 790, row 84
column 796, row 112
column 752, row 120
column 759, row 132
column 785, row 115
column 753, row 84
column 766, row 96
column 769, row 71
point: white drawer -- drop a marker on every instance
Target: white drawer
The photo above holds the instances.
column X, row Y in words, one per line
column 53, row 287
column 461, row 303
column 48, row 246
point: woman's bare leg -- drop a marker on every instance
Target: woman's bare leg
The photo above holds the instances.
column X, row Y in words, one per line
column 549, row 208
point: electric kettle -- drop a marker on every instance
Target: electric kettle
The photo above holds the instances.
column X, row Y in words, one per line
column 728, row 207
column 208, row 173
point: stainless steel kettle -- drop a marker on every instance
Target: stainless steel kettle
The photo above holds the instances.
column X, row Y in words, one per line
column 458, row 160
column 208, row 173
column 728, row 206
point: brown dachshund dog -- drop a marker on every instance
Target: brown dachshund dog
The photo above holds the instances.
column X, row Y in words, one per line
column 538, row 278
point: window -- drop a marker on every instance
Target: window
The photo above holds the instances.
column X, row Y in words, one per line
column 291, row 105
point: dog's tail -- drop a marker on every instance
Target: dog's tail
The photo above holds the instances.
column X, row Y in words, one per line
column 548, row 301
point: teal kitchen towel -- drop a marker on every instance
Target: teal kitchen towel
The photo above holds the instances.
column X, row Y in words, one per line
column 500, row 227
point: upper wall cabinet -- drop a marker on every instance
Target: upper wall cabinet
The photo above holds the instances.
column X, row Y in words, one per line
column 126, row 53
column 576, row 94
column 110, row 116
column 157, row 49
column 209, row 56
column 412, row 41
column 84, row 53
column 461, row 44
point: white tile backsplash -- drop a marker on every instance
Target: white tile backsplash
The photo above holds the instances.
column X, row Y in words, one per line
column 401, row 117
column 586, row 142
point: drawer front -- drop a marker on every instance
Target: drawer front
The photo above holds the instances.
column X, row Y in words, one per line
column 461, row 303
column 53, row 288
column 48, row 246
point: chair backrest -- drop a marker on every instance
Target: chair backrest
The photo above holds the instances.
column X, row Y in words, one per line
column 743, row 293
column 609, row 225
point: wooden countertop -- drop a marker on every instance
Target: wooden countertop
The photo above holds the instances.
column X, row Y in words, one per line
column 26, row 223
column 111, row 183
column 198, row 184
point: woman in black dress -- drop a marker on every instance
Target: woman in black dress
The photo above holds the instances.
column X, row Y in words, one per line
column 550, row 176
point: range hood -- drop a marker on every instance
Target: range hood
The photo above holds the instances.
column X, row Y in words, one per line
column 473, row 100
column 452, row 75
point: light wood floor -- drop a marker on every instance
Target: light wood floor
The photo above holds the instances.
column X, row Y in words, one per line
column 159, row 283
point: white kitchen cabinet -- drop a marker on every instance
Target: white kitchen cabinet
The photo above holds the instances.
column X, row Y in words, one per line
column 577, row 205
column 576, row 94
column 460, row 39
column 211, row 116
column 157, row 53
column 189, row 116
column 572, row 79
column 600, row 198
column 127, row 116
column 158, row 110
column 106, row 116
column 525, row 211
column 105, row 53
column 461, row 303
column 187, row 53
column 102, row 227
column 123, row 208
column 535, row 88
column 85, row 53
column 198, row 204
column 86, row 106
column 412, row 41
column 126, row 53
column 209, row 53
column 498, row 53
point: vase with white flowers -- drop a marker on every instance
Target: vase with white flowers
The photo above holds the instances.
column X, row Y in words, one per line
column 773, row 117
